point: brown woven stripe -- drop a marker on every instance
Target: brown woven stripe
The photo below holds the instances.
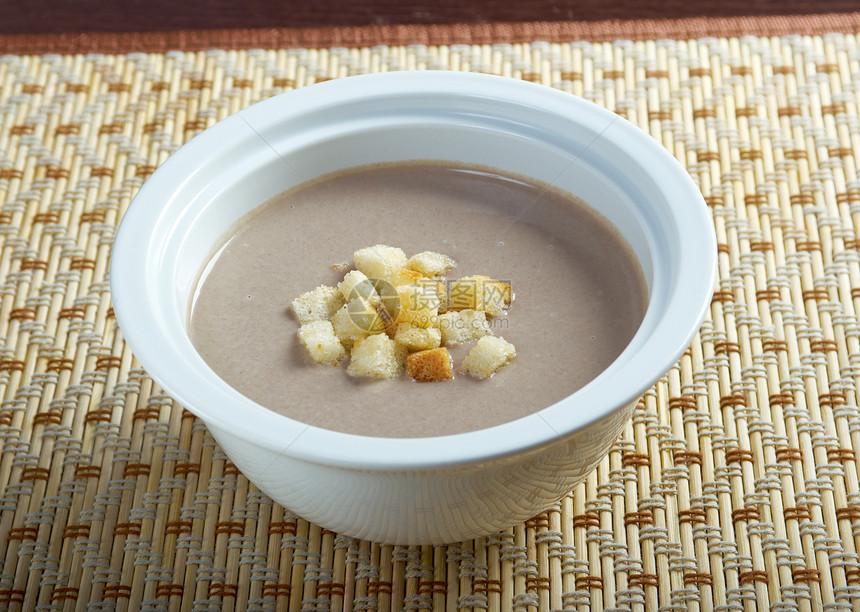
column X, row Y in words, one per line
column 431, row 34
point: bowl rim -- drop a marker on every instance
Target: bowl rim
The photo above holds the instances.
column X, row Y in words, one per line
column 131, row 261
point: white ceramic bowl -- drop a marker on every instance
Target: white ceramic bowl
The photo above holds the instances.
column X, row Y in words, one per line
column 425, row 490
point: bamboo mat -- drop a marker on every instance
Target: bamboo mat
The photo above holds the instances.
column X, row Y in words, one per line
column 735, row 486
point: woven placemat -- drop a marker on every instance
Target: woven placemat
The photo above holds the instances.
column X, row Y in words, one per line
column 734, row 487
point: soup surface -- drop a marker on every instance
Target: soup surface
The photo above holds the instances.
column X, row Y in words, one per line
column 579, row 295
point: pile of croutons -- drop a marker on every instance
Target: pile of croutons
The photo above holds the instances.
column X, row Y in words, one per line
column 392, row 312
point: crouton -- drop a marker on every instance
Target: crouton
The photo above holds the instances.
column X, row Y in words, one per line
column 417, row 319
column 430, row 264
column 461, row 326
column 356, row 284
column 376, row 356
column 430, row 366
column 488, row 355
column 321, row 343
column 496, row 295
column 356, row 320
column 465, row 294
column 317, row 305
column 439, row 289
column 480, row 293
column 418, row 305
column 419, row 298
column 417, row 338
column 403, row 276
column 380, row 261
column 345, row 329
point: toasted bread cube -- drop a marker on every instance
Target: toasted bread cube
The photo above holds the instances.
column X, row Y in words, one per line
column 430, row 264
column 496, row 295
column 356, row 284
column 403, row 276
column 321, row 343
column 380, row 261
column 376, row 356
column 466, row 294
column 418, row 305
column 355, row 320
column 480, row 293
column 417, row 338
column 430, row 366
column 317, row 305
column 439, row 289
column 461, row 326
column 488, row 355
column 345, row 328
column 419, row 298
column 417, row 319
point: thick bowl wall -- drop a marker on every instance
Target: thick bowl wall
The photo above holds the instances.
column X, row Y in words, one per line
column 426, row 490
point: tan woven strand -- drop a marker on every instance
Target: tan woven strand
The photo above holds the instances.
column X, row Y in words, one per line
column 736, row 485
